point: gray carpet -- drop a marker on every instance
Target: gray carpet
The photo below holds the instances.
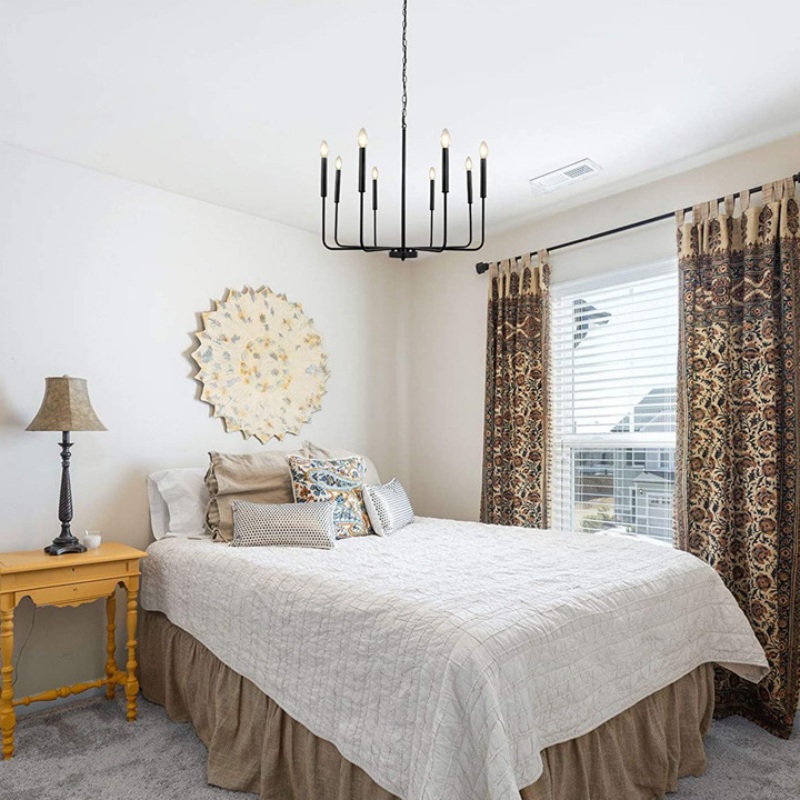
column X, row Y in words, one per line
column 86, row 751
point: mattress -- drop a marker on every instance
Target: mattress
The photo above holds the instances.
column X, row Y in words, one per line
column 444, row 659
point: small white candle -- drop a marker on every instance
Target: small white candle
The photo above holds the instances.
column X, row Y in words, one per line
column 92, row 539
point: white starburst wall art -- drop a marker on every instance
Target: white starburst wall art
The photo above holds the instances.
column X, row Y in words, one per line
column 261, row 362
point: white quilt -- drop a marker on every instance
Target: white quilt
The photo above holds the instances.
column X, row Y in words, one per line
column 443, row 659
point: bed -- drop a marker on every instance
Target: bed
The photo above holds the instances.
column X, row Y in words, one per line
column 451, row 661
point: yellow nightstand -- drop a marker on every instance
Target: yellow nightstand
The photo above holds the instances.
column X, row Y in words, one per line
column 68, row 580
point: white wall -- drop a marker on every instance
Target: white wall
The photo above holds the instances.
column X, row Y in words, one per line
column 103, row 279
column 448, row 311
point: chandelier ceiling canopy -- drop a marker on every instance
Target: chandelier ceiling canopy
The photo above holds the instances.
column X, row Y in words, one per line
column 402, row 250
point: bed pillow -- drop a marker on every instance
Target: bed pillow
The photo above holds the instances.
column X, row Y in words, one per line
column 159, row 513
column 388, row 507
column 338, row 480
column 255, row 477
column 184, row 494
column 311, row 450
column 286, row 525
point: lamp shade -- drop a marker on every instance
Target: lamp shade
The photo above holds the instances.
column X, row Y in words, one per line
column 66, row 407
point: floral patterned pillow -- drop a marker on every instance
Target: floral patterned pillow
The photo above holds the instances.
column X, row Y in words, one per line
column 339, row 480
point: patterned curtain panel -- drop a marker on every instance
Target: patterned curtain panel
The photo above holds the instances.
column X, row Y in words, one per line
column 738, row 488
column 515, row 422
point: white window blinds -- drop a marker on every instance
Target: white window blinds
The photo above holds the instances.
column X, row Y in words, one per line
column 615, row 347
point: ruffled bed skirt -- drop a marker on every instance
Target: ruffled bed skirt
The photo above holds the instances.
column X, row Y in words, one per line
column 255, row 746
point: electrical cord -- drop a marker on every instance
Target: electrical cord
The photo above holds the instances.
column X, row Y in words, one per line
column 21, row 649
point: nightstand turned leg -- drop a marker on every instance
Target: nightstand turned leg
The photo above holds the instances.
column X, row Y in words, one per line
column 131, row 685
column 7, row 715
column 111, row 645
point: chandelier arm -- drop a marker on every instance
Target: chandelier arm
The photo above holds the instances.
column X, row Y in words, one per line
column 324, row 241
column 443, row 246
column 444, row 220
column 451, row 248
column 324, row 237
column 340, row 246
column 467, row 248
column 462, row 247
column 361, row 221
column 336, row 224
column 336, row 232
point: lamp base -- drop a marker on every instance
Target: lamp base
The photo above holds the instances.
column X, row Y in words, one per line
column 64, row 544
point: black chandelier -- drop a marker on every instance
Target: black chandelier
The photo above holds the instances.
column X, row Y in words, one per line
column 403, row 250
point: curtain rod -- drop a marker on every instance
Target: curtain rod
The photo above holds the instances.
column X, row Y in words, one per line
column 483, row 266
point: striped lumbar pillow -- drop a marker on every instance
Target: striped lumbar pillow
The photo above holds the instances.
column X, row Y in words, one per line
column 388, row 506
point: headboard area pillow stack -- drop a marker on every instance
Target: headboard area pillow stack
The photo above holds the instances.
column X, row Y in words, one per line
column 199, row 502
column 258, row 478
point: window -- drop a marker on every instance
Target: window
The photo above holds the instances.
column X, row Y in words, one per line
column 615, row 349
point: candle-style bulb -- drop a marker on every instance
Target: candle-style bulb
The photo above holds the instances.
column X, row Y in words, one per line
column 484, row 149
column 468, row 164
column 362, row 138
column 432, row 174
column 445, row 138
column 374, row 173
column 338, row 162
column 323, row 149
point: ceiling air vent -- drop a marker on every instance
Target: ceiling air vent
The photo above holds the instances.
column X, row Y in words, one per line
column 558, row 178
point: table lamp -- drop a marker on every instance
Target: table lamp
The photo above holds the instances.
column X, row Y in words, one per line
column 65, row 407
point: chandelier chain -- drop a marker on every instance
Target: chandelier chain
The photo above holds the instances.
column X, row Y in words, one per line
column 405, row 63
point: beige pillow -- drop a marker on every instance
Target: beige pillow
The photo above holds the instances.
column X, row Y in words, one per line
column 256, row 478
column 311, row 450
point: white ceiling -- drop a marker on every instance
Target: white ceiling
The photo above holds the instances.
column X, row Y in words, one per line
column 228, row 101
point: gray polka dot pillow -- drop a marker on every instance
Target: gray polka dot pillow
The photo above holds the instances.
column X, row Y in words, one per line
column 388, row 507
column 283, row 524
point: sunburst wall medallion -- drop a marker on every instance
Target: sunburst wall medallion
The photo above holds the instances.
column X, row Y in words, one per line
column 261, row 362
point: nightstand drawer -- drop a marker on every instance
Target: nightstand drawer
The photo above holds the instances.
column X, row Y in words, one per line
column 68, row 575
column 72, row 594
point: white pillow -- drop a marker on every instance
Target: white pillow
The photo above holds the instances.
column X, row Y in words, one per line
column 159, row 513
column 388, row 507
column 184, row 493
